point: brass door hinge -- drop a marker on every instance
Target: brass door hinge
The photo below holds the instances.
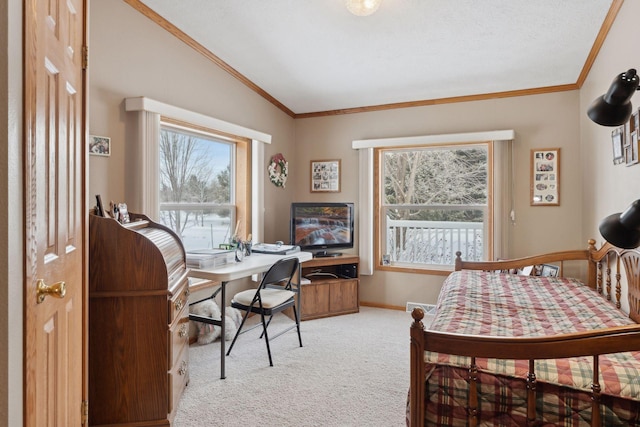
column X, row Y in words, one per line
column 85, row 57
column 85, row 411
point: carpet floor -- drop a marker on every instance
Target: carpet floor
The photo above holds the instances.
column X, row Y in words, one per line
column 352, row 371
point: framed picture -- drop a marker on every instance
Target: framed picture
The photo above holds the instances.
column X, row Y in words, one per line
column 525, row 271
column 549, row 270
column 99, row 145
column 545, row 177
column 617, row 140
column 325, row 176
column 631, row 149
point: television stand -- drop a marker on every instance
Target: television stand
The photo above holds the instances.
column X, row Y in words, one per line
column 333, row 288
column 325, row 254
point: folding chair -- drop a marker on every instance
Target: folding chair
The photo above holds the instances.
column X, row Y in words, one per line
column 275, row 294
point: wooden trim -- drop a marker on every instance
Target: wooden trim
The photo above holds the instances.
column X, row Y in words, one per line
column 411, row 269
column 602, row 35
column 377, row 244
column 417, row 369
column 203, row 129
column 243, row 189
column 440, row 101
column 378, row 305
column 376, row 262
column 157, row 108
column 491, row 212
column 435, row 140
column 180, row 35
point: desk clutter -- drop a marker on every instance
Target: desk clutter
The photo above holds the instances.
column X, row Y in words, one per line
column 209, row 258
column 275, row 248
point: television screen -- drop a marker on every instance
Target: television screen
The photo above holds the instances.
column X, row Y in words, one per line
column 322, row 226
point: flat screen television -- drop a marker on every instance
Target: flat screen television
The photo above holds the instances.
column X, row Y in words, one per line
column 322, row 227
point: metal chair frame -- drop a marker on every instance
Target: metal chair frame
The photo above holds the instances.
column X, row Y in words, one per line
column 279, row 276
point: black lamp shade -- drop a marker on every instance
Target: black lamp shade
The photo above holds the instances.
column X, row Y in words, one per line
column 623, row 229
column 614, row 107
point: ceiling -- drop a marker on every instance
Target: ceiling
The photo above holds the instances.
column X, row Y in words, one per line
column 314, row 57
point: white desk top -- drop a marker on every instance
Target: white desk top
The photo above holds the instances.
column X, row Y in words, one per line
column 253, row 264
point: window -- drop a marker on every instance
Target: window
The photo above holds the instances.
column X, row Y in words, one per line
column 434, row 202
column 243, row 204
column 197, row 176
column 498, row 209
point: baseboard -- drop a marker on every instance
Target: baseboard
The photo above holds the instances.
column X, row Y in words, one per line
column 378, row 305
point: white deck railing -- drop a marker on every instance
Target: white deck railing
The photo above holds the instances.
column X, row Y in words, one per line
column 434, row 242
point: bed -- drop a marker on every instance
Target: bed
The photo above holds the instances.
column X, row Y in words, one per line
column 507, row 349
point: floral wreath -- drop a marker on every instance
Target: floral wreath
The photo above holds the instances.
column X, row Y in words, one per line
column 278, row 170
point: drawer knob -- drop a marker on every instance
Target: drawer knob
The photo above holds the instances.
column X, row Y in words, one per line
column 183, row 331
column 179, row 304
column 183, row 368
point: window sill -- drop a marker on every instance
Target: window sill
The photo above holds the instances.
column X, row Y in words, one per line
column 410, row 268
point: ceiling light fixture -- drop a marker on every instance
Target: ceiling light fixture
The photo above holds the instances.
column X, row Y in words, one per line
column 362, row 7
column 614, row 107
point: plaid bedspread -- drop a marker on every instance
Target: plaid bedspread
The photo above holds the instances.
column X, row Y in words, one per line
column 480, row 303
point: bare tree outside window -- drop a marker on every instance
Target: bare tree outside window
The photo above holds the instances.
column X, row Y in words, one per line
column 434, row 202
column 195, row 187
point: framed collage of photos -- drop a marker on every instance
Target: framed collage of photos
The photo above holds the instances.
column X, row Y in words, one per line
column 624, row 141
column 545, row 177
column 325, row 176
column 617, row 141
column 631, row 143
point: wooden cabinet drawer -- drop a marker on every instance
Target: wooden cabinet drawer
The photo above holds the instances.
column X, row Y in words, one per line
column 314, row 300
column 179, row 300
column 178, row 379
column 329, row 297
column 343, row 296
column 178, row 337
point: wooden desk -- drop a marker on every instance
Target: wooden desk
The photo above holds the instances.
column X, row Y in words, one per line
column 250, row 265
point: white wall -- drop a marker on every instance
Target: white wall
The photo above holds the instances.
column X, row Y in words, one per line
column 132, row 56
column 608, row 188
column 540, row 121
column 129, row 56
column 119, row 66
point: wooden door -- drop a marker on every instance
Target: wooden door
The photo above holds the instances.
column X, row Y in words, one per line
column 55, row 221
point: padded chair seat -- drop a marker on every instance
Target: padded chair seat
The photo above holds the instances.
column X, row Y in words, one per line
column 270, row 297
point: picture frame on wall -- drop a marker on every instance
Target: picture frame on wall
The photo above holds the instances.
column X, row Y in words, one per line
column 325, row 176
column 99, row 145
column 617, row 141
column 631, row 149
column 545, row 177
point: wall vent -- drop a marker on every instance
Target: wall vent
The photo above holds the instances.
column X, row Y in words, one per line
column 427, row 308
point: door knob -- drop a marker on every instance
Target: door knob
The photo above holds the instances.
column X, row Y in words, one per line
column 57, row 290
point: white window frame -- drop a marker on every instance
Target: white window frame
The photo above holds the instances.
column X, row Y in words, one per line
column 487, row 210
column 503, row 185
column 168, row 125
column 142, row 188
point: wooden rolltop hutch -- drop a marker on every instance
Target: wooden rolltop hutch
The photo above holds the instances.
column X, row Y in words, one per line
column 138, row 322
